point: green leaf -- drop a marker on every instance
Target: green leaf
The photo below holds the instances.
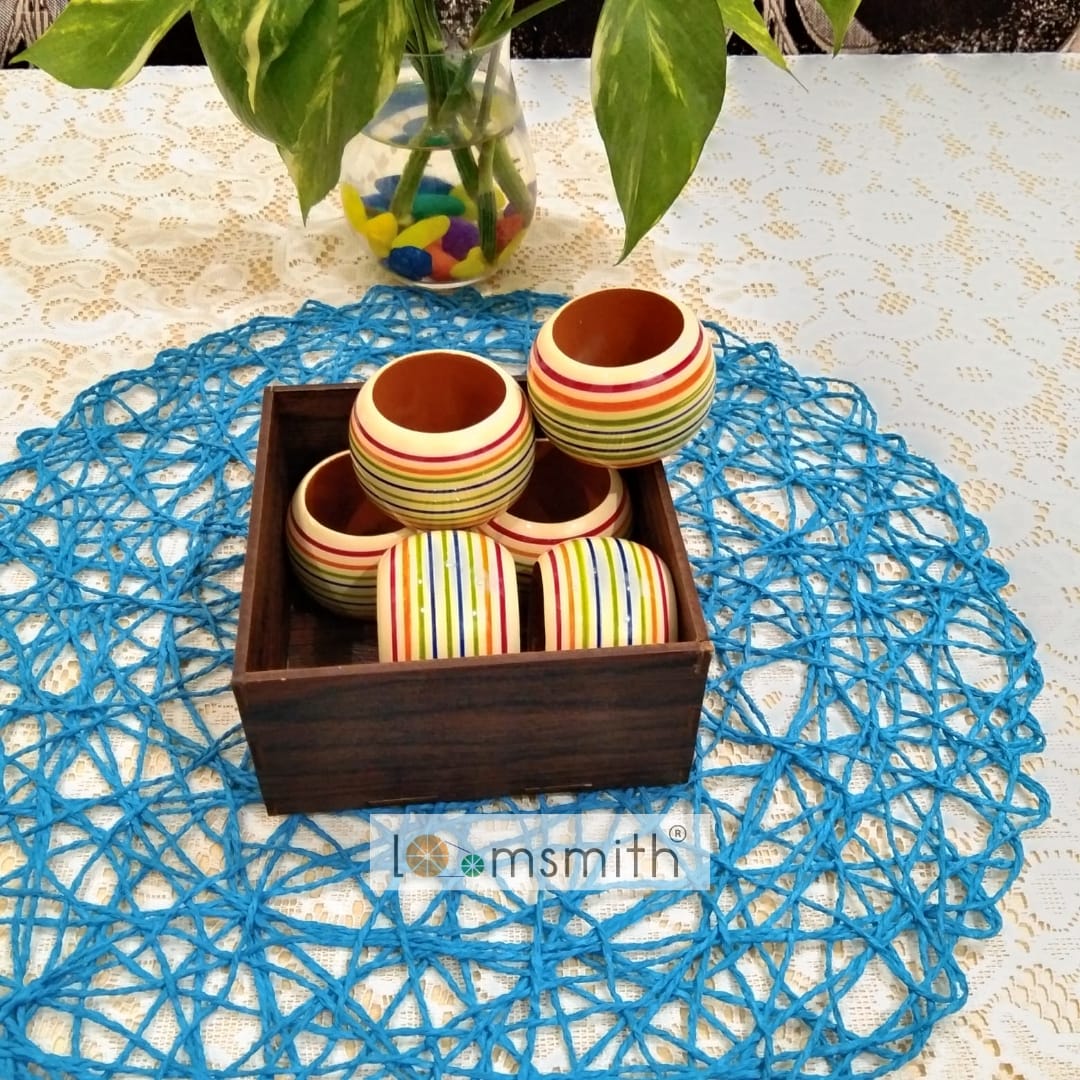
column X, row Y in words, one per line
column 223, row 60
column 744, row 20
column 275, row 105
column 286, row 88
column 490, row 26
column 841, row 13
column 359, row 74
column 312, row 93
column 98, row 44
column 259, row 31
column 658, row 84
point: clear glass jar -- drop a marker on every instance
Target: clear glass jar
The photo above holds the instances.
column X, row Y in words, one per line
column 441, row 182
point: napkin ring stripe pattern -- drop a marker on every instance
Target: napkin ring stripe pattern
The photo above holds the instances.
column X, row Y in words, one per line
column 447, row 593
column 636, row 388
column 333, row 560
column 342, row 580
column 455, row 463
column 526, row 548
column 483, row 481
column 615, row 525
column 603, row 592
column 623, row 423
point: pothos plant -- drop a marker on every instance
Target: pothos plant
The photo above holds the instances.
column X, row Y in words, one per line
column 309, row 74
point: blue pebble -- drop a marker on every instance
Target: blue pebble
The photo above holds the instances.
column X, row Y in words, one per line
column 386, row 185
column 409, row 262
column 376, row 204
column 429, row 185
column 432, row 185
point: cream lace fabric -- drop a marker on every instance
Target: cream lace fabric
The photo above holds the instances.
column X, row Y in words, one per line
column 911, row 224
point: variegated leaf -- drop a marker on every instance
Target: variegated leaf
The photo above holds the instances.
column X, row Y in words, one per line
column 359, row 75
column 743, row 19
column 840, row 13
column 658, row 84
column 276, row 104
column 102, row 43
column 259, row 31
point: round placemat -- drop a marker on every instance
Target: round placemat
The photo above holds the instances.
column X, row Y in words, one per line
column 860, row 753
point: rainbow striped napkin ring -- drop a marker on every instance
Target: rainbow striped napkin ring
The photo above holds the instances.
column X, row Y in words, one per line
column 442, row 439
column 447, row 593
column 621, row 377
column 599, row 592
column 335, row 537
column 564, row 498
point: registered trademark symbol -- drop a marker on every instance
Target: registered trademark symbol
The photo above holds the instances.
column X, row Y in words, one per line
column 677, row 833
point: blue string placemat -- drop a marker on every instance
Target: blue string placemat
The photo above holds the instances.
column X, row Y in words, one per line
column 861, row 753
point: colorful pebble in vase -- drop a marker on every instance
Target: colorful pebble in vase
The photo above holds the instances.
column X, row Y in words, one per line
column 440, row 246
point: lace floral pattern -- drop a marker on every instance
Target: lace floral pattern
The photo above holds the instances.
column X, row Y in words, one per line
column 858, row 225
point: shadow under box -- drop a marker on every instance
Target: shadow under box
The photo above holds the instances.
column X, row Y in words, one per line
column 332, row 728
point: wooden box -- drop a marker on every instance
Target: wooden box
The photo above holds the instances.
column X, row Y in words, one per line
column 331, row 728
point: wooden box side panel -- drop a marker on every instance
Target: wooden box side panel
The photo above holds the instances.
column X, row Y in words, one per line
column 314, row 425
column 300, row 426
column 657, row 527
column 464, row 730
column 262, row 631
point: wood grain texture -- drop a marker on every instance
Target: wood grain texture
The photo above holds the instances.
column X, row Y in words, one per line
column 331, row 728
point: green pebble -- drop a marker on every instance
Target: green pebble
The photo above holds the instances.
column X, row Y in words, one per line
column 425, row 206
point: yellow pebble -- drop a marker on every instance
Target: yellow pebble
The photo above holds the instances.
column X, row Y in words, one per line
column 354, row 207
column 508, row 251
column 473, row 265
column 424, row 232
column 380, row 232
column 470, row 207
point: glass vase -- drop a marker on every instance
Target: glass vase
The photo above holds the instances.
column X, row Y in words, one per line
column 441, row 182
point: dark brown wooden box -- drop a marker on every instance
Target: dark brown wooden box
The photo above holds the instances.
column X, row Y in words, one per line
column 331, row 728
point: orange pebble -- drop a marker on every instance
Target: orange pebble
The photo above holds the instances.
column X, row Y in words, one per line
column 441, row 262
column 506, row 228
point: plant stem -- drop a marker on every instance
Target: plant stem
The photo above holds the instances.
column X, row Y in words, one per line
column 402, row 202
column 441, row 100
column 502, row 163
column 486, row 210
column 490, row 30
column 485, row 201
column 509, row 178
column 487, row 26
column 451, row 99
column 467, row 170
column 428, row 43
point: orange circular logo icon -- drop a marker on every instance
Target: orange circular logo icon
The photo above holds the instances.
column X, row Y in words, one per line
column 427, row 855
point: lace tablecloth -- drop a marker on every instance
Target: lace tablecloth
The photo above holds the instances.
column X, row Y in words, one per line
column 909, row 224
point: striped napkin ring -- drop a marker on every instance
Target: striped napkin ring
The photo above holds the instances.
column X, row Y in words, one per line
column 621, row 377
column 335, row 537
column 565, row 498
column 442, row 439
column 447, row 593
column 598, row 592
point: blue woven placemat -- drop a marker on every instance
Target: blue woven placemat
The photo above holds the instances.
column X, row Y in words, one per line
column 860, row 751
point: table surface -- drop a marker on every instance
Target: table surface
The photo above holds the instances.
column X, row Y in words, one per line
column 909, row 223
